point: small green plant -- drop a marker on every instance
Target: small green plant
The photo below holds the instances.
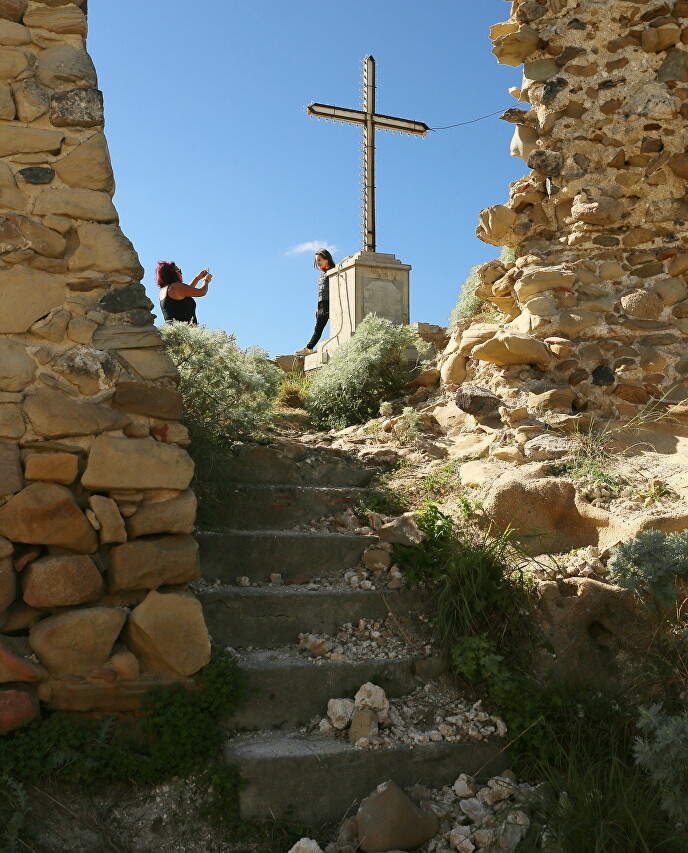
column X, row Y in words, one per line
column 476, row 659
column 13, row 809
column 662, row 751
column 362, row 372
column 408, row 428
column 467, row 506
column 470, row 305
column 650, row 565
column 386, row 409
column 228, row 393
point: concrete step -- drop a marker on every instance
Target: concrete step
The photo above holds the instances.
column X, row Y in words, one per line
column 290, row 462
column 272, row 507
column 286, row 690
column 228, row 554
column 265, row 617
column 316, row 780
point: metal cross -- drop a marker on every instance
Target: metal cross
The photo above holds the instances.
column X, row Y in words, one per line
column 370, row 121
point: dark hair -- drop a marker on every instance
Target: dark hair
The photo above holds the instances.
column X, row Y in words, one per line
column 167, row 272
column 328, row 257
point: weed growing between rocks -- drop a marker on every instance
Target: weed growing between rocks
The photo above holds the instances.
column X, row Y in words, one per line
column 178, row 735
column 294, row 390
column 363, row 371
column 228, row 393
column 470, row 305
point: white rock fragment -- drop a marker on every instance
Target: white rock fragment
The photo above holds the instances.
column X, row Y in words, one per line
column 340, row 711
column 306, row 845
column 372, row 697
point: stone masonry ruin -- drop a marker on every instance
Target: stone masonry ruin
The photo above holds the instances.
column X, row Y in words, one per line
column 95, row 507
column 596, row 302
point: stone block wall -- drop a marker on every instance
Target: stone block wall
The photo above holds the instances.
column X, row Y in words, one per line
column 95, row 507
column 596, row 304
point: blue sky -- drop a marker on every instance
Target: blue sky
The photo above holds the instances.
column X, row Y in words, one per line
column 217, row 163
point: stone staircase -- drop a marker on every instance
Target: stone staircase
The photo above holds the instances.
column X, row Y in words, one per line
column 246, row 519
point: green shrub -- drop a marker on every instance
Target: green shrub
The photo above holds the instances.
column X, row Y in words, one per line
column 663, row 753
column 470, row 305
column 650, row 565
column 228, row 393
column 409, row 427
column 362, row 372
column 179, row 735
column 293, row 390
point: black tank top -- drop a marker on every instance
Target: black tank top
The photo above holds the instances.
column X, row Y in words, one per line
column 182, row 310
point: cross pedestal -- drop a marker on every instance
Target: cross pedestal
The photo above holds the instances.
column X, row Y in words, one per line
column 364, row 283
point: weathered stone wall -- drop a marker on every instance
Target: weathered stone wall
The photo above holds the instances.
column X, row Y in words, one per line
column 597, row 301
column 95, row 507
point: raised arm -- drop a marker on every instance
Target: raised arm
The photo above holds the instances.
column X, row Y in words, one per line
column 179, row 290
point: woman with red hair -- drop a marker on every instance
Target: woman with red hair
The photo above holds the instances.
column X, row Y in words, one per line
column 176, row 298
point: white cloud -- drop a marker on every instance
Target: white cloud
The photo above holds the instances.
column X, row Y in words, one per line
column 310, row 246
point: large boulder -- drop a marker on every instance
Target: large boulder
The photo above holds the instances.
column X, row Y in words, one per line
column 136, row 463
column 62, row 581
column 47, row 514
column 64, row 66
column 151, row 563
column 26, row 296
column 105, row 249
column 512, row 348
column 62, row 19
column 153, row 401
column 76, row 203
column 168, row 633
column 591, row 628
column 55, row 415
column 389, row 820
column 547, row 513
column 78, row 641
column 88, row 167
column 496, row 226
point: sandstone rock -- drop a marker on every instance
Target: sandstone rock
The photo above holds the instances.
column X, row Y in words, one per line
column 125, row 337
column 20, row 617
column 156, row 402
column 402, row 530
column 8, row 581
column 596, row 211
column 11, row 422
column 17, row 369
column 363, row 725
column 477, row 401
column 575, row 321
column 372, row 697
column 77, row 641
column 31, row 99
column 591, row 628
column 29, row 140
column 126, row 665
column 476, row 473
column 654, row 40
column 11, row 479
column 77, row 108
column 476, row 334
column 63, row 67
column 111, row 524
column 33, row 235
column 674, row 67
column 557, row 399
column 544, row 448
column 548, row 514
column 77, row 203
column 54, row 415
column 17, row 707
column 167, row 632
column 136, row 463
column 680, row 310
column 65, row 19
column 89, row 167
column 26, row 296
column 62, row 581
column 642, row 303
column 13, row 9
column 80, row 330
column 471, row 445
column 376, row 559
column 14, row 665
column 496, row 226
column 631, row 393
column 453, row 370
column 87, row 368
column 389, row 820
column 172, row 516
column 539, row 279
column 670, row 290
column 523, row 142
column 53, row 467
column 151, row 563
column 538, row 72
column 14, row 34
column 511, row 348
column 515, row 47
column 46, row 514
column 150, row 364
column 12, row 63
column 8, row 109
column 339, row 712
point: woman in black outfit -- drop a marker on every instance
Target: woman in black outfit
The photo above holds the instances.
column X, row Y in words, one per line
column 324, row 262
column 176, row 298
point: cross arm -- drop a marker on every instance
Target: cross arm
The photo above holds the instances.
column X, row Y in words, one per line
column 381, row 122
